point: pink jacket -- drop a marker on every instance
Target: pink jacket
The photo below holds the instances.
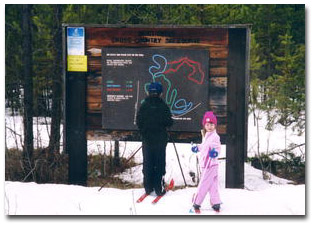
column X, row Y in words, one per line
column 210, row 141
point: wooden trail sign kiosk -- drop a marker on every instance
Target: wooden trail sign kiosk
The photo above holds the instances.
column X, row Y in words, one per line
column 107, row 69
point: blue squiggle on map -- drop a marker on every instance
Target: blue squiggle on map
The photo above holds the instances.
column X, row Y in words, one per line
column 160, row 68
column 177, row 107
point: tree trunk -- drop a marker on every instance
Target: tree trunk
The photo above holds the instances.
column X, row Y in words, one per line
column 28, row 87
column 54, row 141
column 116, row 153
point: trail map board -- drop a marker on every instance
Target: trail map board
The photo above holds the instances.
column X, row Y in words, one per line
column 127, row 72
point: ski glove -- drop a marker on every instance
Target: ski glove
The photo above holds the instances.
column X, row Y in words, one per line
column 212, row 153
column 194, row 149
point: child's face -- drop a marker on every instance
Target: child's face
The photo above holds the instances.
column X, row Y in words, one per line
column 209, row 127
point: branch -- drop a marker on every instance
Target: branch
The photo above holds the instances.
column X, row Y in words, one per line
column 13, row 131
column 286, row 150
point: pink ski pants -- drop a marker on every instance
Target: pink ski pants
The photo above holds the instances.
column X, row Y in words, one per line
column 208, row 184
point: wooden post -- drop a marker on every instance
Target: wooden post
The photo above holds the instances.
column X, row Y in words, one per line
column 237, row 107
column 75, row 141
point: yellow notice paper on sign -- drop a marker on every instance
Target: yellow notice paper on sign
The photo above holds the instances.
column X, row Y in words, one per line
column 77, row 63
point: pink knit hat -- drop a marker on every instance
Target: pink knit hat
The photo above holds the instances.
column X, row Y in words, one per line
column 209, row 117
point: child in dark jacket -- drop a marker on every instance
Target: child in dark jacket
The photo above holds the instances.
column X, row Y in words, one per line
column 153, row 118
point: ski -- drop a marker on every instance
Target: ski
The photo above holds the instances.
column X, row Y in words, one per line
column 170, row 187
column 140, row 199
column 196, row 211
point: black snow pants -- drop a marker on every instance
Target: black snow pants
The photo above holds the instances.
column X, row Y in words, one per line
column 154, row 166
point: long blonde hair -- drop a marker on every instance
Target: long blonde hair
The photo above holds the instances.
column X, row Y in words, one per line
column 203, row 132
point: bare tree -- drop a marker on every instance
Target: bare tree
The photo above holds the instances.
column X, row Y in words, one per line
column 54, row 141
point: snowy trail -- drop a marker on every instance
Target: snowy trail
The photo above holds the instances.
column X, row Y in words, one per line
column 52, row 199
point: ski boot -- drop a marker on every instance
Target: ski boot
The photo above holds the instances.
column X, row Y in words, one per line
column 216, row 207
column 196, row 209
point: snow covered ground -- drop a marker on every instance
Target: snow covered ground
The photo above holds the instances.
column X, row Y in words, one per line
column 276, row 197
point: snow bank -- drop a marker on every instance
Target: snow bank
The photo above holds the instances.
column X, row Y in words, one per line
column 188, row 160
column 277, row 139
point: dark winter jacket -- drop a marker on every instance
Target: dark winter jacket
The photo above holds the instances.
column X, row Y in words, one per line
column 153, row 118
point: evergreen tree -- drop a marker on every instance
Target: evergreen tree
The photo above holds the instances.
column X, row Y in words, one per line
column 13, row 61
column 287, row 85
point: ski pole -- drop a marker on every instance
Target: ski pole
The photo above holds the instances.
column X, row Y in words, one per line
column 133, row 154
column 197, row 166
column 174, row 145
column 126, row 162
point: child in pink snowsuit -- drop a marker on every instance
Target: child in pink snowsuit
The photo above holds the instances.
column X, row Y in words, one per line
column 209, row 150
